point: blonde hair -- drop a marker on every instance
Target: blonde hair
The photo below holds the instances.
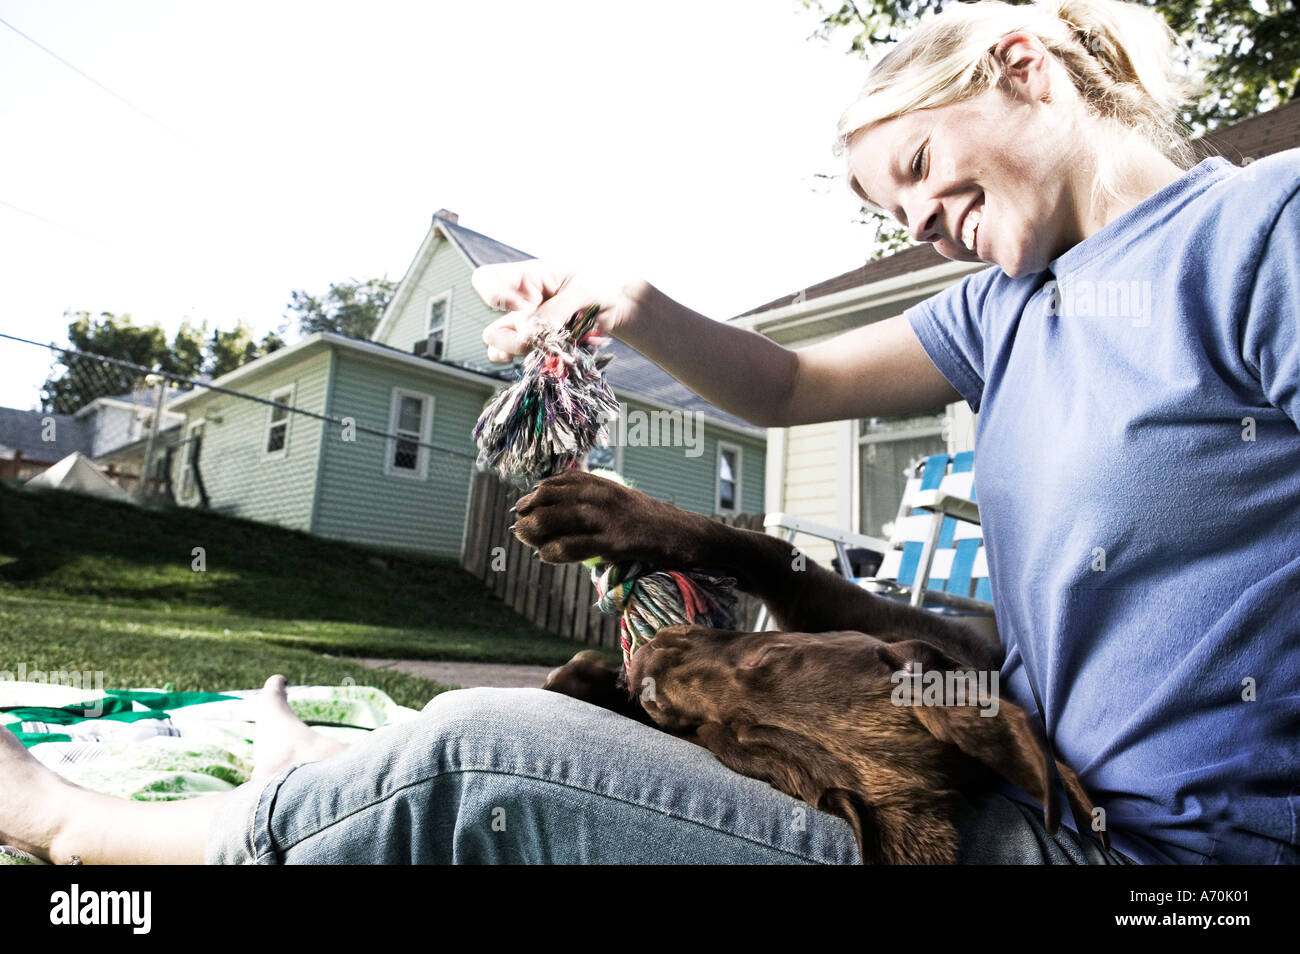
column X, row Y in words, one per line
column 1122, row 59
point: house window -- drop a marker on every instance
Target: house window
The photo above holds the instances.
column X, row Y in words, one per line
column 189, row 486
column 436, row 327
column 887, row 447
column 277, row 423
column 409, row 422
column 729, row 466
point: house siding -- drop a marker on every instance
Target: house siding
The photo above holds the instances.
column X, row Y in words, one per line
column 447, row 269
column 690, row 482
column 812, row 482
column 358, row 500
column 240, row 480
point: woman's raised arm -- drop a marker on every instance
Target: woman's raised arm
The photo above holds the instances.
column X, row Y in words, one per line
column 875, row 371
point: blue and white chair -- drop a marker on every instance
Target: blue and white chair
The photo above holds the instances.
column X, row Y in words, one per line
column 934, row 557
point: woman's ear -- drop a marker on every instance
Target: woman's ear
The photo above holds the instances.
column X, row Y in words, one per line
column 1025, row 67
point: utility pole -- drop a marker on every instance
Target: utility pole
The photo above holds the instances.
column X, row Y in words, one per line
column 143, row 490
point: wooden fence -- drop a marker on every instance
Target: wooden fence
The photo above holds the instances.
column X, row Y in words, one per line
column 559, row 599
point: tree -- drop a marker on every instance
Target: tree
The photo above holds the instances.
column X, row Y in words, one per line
column 1246, row 51
column 351, row 308
column 76, row 380
column 228, row 350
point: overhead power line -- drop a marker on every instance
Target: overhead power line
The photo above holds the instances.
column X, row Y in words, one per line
column 86, row 76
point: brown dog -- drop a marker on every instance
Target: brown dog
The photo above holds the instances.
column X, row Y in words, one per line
column 814, row 712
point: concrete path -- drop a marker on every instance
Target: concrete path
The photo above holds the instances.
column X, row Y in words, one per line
column 466, row 675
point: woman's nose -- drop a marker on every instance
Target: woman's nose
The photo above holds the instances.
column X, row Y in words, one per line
column 927, row 224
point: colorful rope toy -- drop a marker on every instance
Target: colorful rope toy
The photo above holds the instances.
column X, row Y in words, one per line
column 557, row 409
column 648, row 600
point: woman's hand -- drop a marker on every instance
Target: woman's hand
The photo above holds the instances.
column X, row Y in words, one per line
column 536, row 294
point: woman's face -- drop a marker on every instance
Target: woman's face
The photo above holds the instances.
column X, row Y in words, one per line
column 991, row 179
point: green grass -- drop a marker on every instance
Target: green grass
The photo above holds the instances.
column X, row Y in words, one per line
column 87, row 584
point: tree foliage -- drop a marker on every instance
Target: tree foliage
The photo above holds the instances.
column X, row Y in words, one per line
column 1246, row 51
column 351, row 308
column 75, row 381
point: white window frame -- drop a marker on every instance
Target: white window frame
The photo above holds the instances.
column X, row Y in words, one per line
column 446, row 321
column 717, row 477
column 187, row 464
column 421, row 471
column 281, row 395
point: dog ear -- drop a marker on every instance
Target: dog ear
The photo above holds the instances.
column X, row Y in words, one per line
column 1081, row 806
column 763, row 655
column 1008, row 742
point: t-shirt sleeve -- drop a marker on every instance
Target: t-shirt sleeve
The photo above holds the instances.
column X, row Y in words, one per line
column 1271, row 331
column 949, row 329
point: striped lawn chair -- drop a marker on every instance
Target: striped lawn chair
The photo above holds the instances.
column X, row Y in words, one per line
column 934, row 557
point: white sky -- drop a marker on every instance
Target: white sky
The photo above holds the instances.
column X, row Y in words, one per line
column 312, row 142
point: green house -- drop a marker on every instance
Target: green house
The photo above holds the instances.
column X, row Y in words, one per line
column 349, row 461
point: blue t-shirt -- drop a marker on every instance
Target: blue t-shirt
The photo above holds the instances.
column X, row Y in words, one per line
column 1138, row 475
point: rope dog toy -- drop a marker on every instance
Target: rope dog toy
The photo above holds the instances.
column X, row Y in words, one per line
column 647, row 600
column 557, row 409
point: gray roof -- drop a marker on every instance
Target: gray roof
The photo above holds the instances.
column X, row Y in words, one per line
column 478, row 248
column 21, row 431
column 632, row 371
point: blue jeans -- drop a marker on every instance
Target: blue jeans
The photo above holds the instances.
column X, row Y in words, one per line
column 507, row 776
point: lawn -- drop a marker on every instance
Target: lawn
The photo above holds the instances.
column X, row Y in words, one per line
column 88, row 584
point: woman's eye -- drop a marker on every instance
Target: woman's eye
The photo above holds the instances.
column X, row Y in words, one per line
column 917, row 161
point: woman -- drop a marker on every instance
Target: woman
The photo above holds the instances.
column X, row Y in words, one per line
column 1137, row 480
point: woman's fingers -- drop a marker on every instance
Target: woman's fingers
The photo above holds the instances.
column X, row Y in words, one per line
column 515, row 286
column 507, row 336
column 536, row 294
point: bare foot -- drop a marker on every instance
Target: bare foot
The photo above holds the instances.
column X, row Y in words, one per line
column 282, row 738
column 31, row 797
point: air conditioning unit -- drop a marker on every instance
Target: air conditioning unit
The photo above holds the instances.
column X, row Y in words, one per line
column 430, row 347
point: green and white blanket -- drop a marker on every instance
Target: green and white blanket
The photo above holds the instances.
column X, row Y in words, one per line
column 155, row 745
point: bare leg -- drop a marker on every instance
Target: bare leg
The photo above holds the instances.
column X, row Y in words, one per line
column 48, row 816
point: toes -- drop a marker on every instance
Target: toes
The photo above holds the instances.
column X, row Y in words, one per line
column 276, row 684
column 569, row 487
column 543, row 526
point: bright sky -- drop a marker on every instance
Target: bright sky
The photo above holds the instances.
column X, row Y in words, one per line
column 288, row 145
